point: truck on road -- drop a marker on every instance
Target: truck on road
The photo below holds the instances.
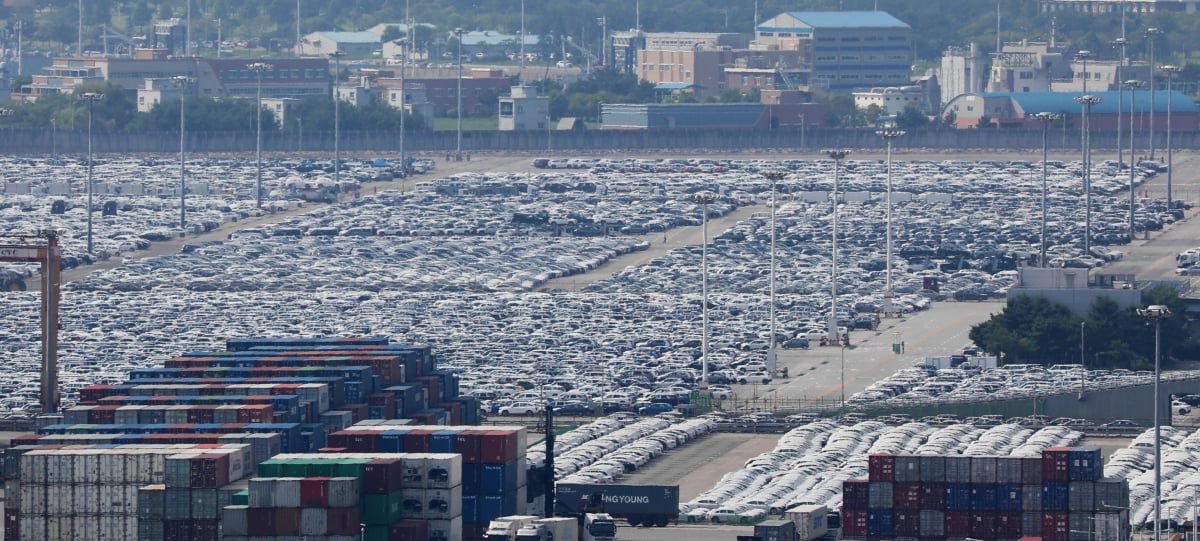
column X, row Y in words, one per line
column 550, row 529
column 641, row 505
column 506, row 528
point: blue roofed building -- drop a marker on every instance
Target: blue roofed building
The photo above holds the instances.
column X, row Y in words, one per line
column 1016, row 109
column 850, row 49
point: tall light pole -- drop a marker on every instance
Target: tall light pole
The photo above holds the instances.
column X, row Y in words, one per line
column 1046, row 119
column 838, row 155
column 458, row 140
column 1132, row 85
column 1170, row 71
column 258, row 68
column 403, row 43
column 91, row 98
column 337, row 120
column 704, row 199
column 1151, row 34
column 183, row 81
column 1155, row 314
column 774, row 176
column 1087, row 101
column 1122, row 43
column 889, row 133
column 53, row 137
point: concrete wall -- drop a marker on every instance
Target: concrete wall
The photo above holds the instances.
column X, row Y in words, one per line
column 37, row 141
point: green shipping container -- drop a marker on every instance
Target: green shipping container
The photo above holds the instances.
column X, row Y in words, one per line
column 270, row 468
column 376, row 533
column 241, row 497
column 381, row 508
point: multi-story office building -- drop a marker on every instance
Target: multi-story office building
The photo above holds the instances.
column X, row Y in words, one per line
column 850, row 49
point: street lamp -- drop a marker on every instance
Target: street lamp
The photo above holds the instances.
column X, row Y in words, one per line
column 704, row 199
column 1083, row 56
column 53, row 137
column 1046, row 119
column 1122, row 43
column 1087, row 101
column 1151, row 34
column 258, row 68
column 889, row 132
column 403, row 43
column 183, row 81
column 1170, row 71
column 458, row 140
column 774, row 176
column 337, row 121
column 91, row 98
column 1155, row 314
column 838, row 155
column 1132, row 85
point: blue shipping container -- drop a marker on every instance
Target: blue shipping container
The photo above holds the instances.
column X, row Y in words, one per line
column 1055, row 496
column 499, row 478
column 1008, row 497
column 958, row 496
column 983, row 497
column 472, row 475
column 880, row 522
column 442, row 441
column 391, row 441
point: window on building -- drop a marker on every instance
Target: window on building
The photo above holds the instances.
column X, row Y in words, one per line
column 1026, row 75
column 766, row 34
column 785, row 34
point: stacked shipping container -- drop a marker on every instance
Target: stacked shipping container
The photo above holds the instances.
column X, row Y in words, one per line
column 99, row 492
column 1055, row 496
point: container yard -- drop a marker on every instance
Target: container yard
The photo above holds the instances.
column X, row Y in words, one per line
column 1059, row 496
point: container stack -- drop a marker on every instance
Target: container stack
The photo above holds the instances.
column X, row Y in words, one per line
column 1055, row 497
column 396, row 496
column 103, row 491
column 493, row 463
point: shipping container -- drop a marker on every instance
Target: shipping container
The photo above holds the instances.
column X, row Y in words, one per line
column 1055, row 496
column 1031, row 523
column 983, row 470
column 958, row 469
column 1009, row 497
column 880, row 522
column 881, row 467
column 907, row 522
column 908, row 469
column 775, row 530
column 933, row 496
column 856, row 494
column 932, row 523
column 1112, row 492
column 958, row 497
column 854, row 522
column 1056, row 526
column 933, row 468
column 1081, row 496
column 1085, row 464
column 906, row 495
column 1056, row 463
column 958, row 524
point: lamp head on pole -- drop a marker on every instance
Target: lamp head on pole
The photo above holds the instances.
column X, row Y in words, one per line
column 1152, row 32
column 1155, row 313
column 705, row 198
column 1046, row 117
column 91, row 96
column 837, row 153
column 1170, row 69
column 774, row 175
column 1088, row 99
column 1083, row 55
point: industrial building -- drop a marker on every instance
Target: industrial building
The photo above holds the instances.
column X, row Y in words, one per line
column 850, row 49
column 350, row 43
column 524, row 109
column 1015, row 109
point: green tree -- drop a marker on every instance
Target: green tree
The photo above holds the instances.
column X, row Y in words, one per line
column 911, row 118
column 391, row 32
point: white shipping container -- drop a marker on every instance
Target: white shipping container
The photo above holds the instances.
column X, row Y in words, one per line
column 33, row 467
column 59, row 527
column 451, row 530
column 343, row 492
column 33, row 499
column 522, row 494
column 412, row 503
column 60, row 467
column 313, row 521
column 155, row 468
column 444, row 470
column 442, row 503
column 286, row 492
column 127, row 415
column 413, row 469
column 176, row 415
column 33, row 527
column 115, row 527
column 262, row 492
column 87, row 468
column 87, row 526
column 87, row 499
column 60, row 500
column 112, row 467
column 226, row 414
column 112, row 499
column 234, row 520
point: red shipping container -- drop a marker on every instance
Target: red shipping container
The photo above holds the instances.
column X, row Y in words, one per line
column 854, row 521
column 210, row 470
column 256, row 413
column 362, row 441
column 286, row 388
column 314, row 492
column 26, row 439
column 201, row 414
column 881, row 467
column 983, row 524
column 453, row 410
column 93, row 393
column 468, row 443
column 1056, row 526
column 856, row 494
column 177, row 530
column 287, row 521
column 342, row 521
column 417, row 440
column 339, row 439
column 498, row 447
column 907, row 522
column 382, row 476
column 12, row 524
column 958, row 524
column 933, row 495
column 433, row 388
column 260, row 521
column 906, row 496
column 1008, row 524
column 333, row 450
column 1055, row 463
column 409, row 530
